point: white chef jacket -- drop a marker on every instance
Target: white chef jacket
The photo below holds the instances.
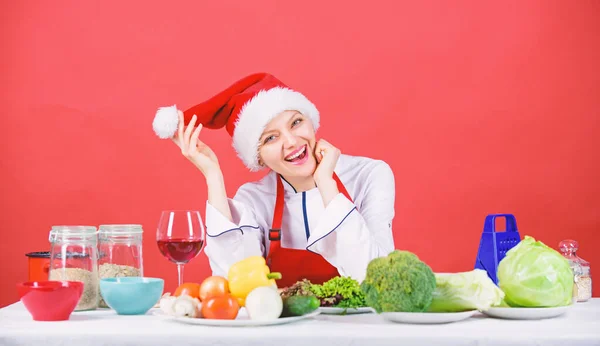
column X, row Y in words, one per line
column 347, row 234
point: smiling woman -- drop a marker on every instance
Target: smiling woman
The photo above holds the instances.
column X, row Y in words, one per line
column 288, row 146
column 284, row 146
column 338, row 208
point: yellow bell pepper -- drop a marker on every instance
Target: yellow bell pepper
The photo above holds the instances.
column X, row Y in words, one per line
column 248, row 274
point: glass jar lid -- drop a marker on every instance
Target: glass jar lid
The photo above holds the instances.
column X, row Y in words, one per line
column 568, row 248
column 47, row 254
column 118, row 229
column 69, row 232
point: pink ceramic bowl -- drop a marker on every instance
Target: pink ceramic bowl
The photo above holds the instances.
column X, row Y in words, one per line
column 50, row 300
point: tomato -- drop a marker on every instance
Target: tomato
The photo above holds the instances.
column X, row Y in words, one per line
column 191, row 289
column 223, row 307
column 213, row 286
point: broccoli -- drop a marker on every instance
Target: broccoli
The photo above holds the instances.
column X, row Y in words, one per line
column 399, row 282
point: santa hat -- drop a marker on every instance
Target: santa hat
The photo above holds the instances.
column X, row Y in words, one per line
column 244, row 109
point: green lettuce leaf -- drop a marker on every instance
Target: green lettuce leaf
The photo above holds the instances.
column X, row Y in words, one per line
column 465, row 291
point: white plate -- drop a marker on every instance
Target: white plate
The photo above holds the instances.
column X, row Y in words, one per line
column 526, row 313
column 328, row 310
column 242, row 320
column 427, row 317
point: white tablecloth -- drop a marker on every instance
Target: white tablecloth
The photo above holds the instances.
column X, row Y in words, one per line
column 579, row 327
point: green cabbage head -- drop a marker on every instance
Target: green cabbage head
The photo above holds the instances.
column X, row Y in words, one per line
column 535, row 275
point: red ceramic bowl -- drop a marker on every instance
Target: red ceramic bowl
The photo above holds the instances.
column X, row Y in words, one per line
column 50, row 300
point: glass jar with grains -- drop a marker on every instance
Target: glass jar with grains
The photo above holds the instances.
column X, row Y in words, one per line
column 581, row 269
column 120, row 252
column 74, row 257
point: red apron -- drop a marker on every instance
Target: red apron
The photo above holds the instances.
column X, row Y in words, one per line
column 295, row 264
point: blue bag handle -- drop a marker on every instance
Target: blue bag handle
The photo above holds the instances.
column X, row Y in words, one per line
column 490, row 223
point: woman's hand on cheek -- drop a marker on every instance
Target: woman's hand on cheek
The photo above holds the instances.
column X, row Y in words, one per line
column 327, row 156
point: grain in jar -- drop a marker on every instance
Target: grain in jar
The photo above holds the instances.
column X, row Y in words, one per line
column 120, row 252
column 581, row 269
column 74, row 257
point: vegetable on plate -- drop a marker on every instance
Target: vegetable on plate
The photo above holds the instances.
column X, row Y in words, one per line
column 213, row 286
column 223, row 307
column 210, row 299
column 535, row 275
column 299, row 305
column 248, row 274
column 188, row 288
column 300, row 288
column 180, row 306
column 456, row 292
column 340, row 291
column 264, row 303
column 399, row 282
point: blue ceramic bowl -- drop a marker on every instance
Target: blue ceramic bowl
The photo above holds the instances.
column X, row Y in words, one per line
column 131, row 295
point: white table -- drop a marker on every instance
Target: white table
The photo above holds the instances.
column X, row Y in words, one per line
column 579, row 327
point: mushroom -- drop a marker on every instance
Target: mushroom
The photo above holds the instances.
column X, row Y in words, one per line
column 186, row 306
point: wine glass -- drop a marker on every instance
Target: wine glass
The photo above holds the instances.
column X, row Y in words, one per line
column 180, row 237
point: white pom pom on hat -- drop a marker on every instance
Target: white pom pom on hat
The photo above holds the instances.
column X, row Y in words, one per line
column 165, row 122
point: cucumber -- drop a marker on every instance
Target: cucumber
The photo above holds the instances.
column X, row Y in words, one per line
column 300, row 305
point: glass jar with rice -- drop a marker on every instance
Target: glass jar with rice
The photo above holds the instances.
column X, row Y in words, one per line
column 582, row 289
column 74, row 257
column 120, row 252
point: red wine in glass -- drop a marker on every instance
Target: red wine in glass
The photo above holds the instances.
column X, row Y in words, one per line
column 180, row 250
column 180, row 237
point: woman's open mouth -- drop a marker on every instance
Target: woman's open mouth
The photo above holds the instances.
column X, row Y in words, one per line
column 298, row 157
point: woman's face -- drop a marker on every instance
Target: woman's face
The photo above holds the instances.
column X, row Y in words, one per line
column 287, row 145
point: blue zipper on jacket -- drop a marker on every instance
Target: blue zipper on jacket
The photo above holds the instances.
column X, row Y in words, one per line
column 305, row 215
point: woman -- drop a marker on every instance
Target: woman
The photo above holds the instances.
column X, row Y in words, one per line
column 316, row 215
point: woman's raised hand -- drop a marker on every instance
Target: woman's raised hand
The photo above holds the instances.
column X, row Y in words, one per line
column 200, row 154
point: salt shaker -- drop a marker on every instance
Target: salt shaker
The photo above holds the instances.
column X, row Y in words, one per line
column 581, row 269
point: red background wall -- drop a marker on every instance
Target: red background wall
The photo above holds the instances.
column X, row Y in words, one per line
column 479, row 107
